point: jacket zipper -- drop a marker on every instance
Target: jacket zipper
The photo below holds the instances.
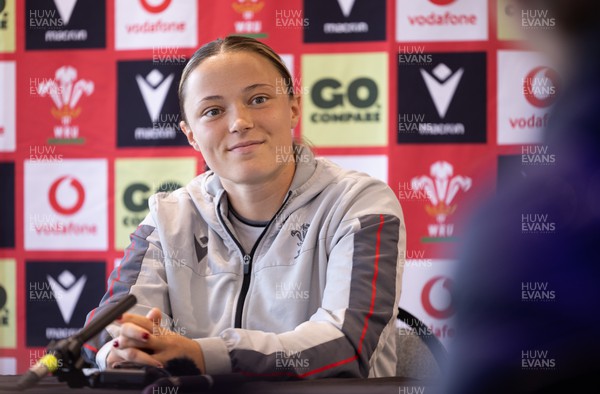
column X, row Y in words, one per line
column 247, row 259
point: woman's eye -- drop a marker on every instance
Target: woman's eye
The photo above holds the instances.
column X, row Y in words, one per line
column 211, row 112
column 259, row 100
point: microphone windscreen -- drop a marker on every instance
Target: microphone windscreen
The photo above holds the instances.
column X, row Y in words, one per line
column 182, row 366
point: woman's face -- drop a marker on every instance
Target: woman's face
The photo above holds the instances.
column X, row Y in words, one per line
column 240, row 116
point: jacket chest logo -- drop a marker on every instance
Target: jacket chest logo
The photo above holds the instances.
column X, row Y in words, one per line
column 201, row 246
column 300, row 234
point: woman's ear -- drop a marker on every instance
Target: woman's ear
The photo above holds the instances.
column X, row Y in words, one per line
column 295, row 109
column 189, row 134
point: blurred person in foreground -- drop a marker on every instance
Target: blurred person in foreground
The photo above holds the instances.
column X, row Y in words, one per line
column 273, row 263
column 527, row 294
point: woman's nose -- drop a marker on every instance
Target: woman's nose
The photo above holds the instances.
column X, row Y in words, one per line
column 241, row 119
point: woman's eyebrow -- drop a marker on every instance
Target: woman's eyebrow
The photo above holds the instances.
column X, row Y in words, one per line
column 246, row 89
column 256, row 85
column 215, row 97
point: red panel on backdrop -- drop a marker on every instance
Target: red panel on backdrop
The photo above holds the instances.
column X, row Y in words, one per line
column 437, row 188
column 277, row 23
column 66, row 100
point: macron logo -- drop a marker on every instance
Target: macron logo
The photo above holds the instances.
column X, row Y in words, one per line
column 442, row 86
column 154, row 89
column 346, row 6
column 65, row 9
column 67, row 292
column 201, row 248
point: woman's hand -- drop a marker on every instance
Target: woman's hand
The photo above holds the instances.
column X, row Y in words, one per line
column 143, row 340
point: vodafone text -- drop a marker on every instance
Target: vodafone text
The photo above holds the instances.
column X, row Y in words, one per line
column 155, row 27
column 447, row 18
column 531, row 122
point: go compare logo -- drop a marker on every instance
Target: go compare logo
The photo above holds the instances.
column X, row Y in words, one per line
column 136, row 180
column 347, row 92
column 360, row 93
column 135, row 199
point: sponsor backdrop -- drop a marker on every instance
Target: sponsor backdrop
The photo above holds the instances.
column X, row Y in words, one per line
column 439, row 98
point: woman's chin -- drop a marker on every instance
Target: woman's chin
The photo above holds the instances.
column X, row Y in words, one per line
column 248, row 174
column 255, row 171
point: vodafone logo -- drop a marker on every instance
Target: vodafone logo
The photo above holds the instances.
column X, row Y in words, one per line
column 446, row 18
column 154, row 6
column 442, row 2
column 441, row 20
column 540, row 86
column 437, row 284
column 527, row 90
column 63, row 210
column 152, row 24
column 66, row 195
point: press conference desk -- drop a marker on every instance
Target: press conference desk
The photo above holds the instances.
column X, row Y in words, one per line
column 394, row 385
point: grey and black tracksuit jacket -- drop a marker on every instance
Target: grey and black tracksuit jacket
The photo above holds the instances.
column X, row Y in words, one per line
column 315, row 297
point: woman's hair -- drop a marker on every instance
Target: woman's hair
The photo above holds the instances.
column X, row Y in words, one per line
column 233, row 44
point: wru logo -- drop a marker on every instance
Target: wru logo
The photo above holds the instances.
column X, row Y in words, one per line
column 301, row 234
column 65, row 91
column 441, row 188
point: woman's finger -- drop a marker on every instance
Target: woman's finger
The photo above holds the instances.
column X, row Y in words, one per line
column 135, row 332
column 136, row 356
column 123, row 342
column 155, row 316
column 139, row 320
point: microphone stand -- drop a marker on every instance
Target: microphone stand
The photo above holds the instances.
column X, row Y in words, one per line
column 63, row 358
column 69, row 362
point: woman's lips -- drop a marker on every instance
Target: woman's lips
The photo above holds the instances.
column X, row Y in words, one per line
column 246, row 146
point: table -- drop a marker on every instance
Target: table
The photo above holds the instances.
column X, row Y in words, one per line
column 393, row 385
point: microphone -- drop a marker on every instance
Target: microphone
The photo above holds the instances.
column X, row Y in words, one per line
column 66, row 353
column 187, row 378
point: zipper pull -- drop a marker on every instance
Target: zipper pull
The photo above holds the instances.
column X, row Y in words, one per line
column 246, row 264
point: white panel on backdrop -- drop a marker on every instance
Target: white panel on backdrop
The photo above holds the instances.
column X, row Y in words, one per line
column 155, row 24
column 288, row 60
column 66, row 204
column 7, row 108
column 374, row 165
column 441, row 20
column 527, row 87
column 8, row 366
column 426, row 285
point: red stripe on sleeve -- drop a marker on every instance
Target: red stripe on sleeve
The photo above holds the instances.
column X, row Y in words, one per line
column 365, row 326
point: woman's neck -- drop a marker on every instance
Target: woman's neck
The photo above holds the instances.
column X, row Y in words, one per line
column 260, row 202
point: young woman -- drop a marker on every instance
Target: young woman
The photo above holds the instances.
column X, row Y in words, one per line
column 273, row 262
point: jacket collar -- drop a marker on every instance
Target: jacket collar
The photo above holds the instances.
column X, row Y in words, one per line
column 305, row 168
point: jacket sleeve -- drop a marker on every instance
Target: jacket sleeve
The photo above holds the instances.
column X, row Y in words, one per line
column 358, row 309
column 140, row 273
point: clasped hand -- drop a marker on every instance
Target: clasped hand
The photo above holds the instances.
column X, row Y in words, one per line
column 143, row 340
